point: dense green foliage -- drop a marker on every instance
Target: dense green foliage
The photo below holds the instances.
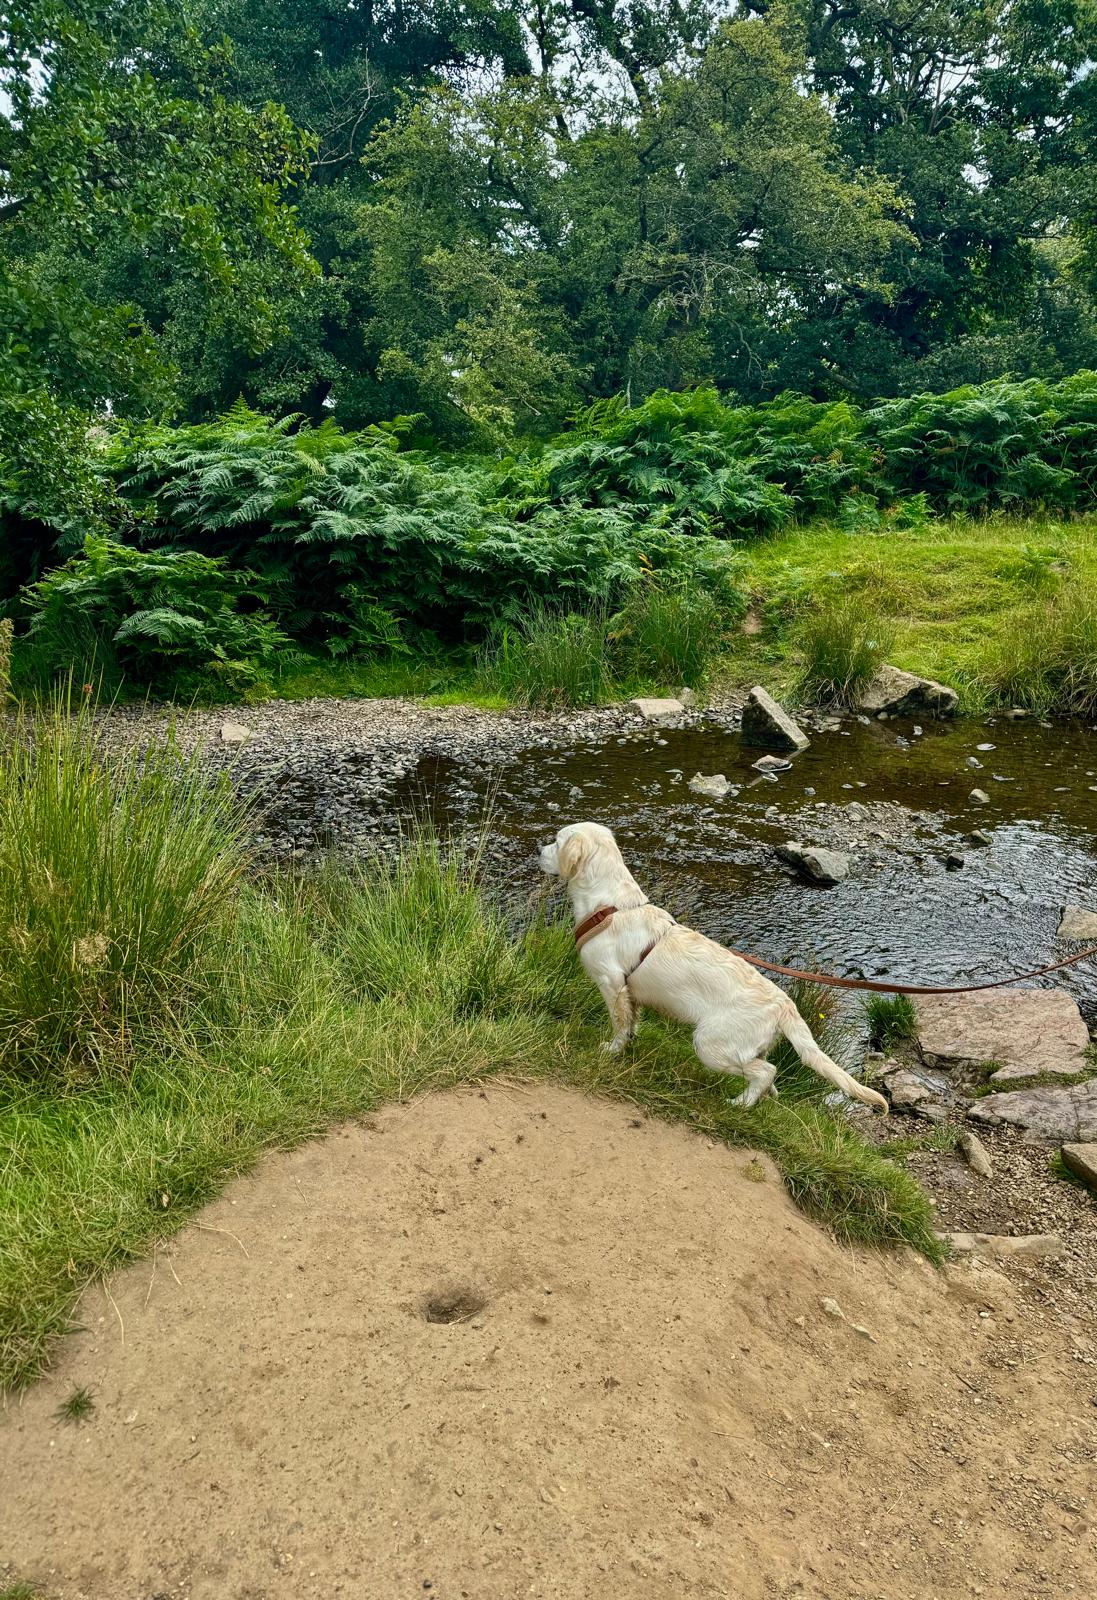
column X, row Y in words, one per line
column 166, row 619
column 228, row 537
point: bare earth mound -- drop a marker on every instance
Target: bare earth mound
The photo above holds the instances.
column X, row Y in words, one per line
column 526, row 1344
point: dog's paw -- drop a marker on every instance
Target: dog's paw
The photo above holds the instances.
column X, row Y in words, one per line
column 613, row 1047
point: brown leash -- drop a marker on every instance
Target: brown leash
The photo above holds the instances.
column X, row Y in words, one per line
column 597, row 920
column 911, row 988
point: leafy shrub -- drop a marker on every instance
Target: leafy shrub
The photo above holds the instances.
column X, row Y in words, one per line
column 109, row 883
column 843, row 643
column 973, row 447
column 672, row 455
column 551, row 659
column 164, row 619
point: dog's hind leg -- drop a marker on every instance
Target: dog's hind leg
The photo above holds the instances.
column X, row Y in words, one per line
column 714, row 1052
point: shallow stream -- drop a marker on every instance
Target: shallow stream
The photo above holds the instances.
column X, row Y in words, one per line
column 902, row 912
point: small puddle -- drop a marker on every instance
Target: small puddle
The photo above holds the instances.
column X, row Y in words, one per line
column 902, row 913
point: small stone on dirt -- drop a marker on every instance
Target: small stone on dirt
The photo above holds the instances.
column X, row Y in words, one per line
column 1026, row 1246
column 974, row 1152
column 768, row 724
column 1081, row 1159
column 832, row 1308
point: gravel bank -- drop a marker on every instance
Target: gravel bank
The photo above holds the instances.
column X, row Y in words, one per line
column 323, row 773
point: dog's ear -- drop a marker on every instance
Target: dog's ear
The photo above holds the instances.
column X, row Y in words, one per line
column 572, row 853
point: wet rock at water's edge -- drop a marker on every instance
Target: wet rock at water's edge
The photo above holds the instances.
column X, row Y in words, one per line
column 767, row 725
column 1029, row 1033
column 654, row 710
column 1079, row 925
column 714, row 787
column 903, row 694
column 815, row 861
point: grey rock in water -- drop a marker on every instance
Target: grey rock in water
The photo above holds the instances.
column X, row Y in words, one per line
column 980, row 836
column 771, row 764
column 1081, row 1159
column 903, row 694
column 655, row 710
column 980, row 797
column 1055, row 1116
column 769, row 725
column 1078, row 924
column 715, row 786
column 974, row 1152
column 1030, row 1033
column 815, row 861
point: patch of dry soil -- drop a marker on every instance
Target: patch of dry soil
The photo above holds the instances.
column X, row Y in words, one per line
column 627, row 1385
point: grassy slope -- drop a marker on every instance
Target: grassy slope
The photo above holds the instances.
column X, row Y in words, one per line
column 955, row 592
column 129, row 1097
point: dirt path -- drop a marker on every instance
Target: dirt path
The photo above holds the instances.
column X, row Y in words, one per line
column 653, row 1401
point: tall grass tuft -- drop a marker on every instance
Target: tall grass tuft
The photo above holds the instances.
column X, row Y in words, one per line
column 5, row 659
column 1047, row 662
column 110, row 881
column 668, row 634
column 842, row 644
column 551, row 659
column 890, row 1018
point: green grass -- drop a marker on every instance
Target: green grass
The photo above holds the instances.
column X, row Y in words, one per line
column 291, row 1006
column 22, row 1591
column 550, row 659
column 77, row 1407
column 891, row 1019
column 843, row 645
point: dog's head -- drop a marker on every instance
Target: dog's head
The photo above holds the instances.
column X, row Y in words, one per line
column 579, row 849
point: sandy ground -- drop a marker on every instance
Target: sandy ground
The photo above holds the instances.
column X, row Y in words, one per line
column 652, row 1400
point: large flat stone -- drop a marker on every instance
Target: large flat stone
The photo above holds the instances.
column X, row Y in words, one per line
column 902, row 694
column 656, row 710
column 768, row 725
column 1079, row 925
column 1054, row 1115
column 1030, row 1033
column 1082, row 1161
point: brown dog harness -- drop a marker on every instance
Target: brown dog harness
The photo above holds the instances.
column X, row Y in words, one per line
column 596, row 922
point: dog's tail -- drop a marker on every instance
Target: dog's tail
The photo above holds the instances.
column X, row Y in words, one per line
column 798, row 1034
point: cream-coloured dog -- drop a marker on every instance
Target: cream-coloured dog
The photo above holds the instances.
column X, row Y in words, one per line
column 639, row 956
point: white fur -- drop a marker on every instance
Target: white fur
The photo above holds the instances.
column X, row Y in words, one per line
column 736, row 1014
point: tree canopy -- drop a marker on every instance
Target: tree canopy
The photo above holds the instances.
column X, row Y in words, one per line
column 489, row 212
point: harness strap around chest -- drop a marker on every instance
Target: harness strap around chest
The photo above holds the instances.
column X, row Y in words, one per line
column 597, row 923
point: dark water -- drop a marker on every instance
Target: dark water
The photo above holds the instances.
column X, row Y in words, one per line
column 901, row 913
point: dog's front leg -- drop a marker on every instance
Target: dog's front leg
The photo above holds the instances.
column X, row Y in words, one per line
column 621, row 1010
